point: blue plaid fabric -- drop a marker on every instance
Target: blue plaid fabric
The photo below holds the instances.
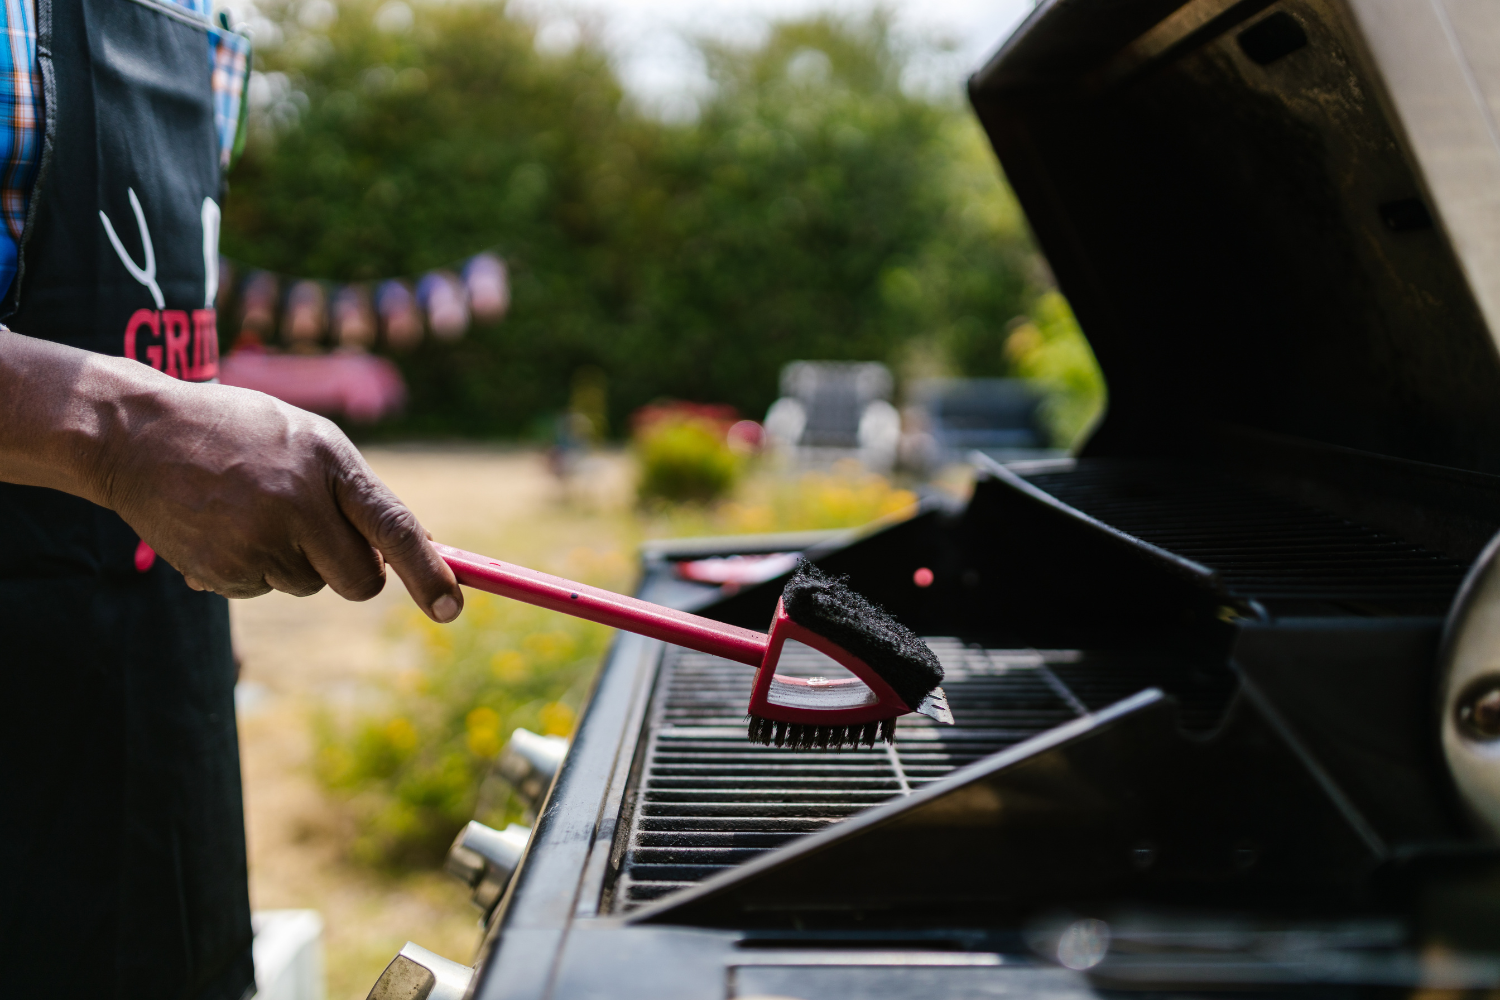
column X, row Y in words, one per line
column 20, row 128
column 21, row 111
column 229, row 62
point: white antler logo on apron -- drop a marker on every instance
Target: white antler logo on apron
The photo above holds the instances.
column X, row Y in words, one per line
column 210, row 252
column 145, row 275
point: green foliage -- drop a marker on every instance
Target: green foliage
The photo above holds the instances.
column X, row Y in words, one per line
column 685, row 459
column 807, row 177
column 1051, row 349
column 411, row 773
column 815, row 209
column 977, row 269
column 415, row 148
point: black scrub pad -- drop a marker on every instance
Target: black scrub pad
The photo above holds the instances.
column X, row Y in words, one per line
column 827, row 606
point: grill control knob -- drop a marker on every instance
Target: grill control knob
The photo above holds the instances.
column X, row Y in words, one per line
column 484, row 859
column 1471, row 691
column 418, row 974
column 530, row 762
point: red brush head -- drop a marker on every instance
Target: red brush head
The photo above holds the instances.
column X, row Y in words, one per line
column 816, row 712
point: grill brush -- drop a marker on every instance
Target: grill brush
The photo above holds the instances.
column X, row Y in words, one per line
column 894, row 671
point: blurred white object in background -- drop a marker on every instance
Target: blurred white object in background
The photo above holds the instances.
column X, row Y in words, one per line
column 288, row 951
column 784, row 422
column 879, row 436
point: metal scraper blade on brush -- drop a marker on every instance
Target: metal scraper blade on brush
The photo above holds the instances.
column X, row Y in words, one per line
column 815, row 713
column 799, row 712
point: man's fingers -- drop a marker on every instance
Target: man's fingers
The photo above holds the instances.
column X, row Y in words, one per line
column 393, row 531
column 346, row 560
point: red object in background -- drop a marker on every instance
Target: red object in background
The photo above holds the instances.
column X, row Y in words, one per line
column 746, row 436
column 361, row 387
column 145, row 557
column 738, row 571
column 922, row 577
column 722, row 415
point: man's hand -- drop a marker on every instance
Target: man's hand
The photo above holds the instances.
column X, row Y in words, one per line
column 240, row 492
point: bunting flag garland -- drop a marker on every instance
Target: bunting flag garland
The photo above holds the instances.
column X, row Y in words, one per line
column 310, row 316
column 308, row 342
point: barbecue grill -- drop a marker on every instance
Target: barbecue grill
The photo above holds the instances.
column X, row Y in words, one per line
column 1204, row 735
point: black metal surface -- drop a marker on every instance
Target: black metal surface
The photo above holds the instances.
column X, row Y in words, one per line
column 1238, row 266
column 1115, row 805
column 1258, row 547
column 706, row 800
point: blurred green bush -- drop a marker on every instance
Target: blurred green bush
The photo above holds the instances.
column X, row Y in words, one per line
column 816, row 207
column 1050, row 349
column 685, row 459
column 411, row 774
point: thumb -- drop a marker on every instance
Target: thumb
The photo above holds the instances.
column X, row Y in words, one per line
column 394, row 531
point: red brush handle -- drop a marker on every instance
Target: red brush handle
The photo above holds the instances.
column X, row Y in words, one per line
column 615, row 610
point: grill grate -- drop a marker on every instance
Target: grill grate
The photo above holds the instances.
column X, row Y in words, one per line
column 707, row 799
column 1259, row 546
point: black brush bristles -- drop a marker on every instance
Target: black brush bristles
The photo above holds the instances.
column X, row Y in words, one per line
column 827, row 606
column 805, row 736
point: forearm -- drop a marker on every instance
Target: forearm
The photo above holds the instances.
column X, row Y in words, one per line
column 63, row 410
column 240, row 492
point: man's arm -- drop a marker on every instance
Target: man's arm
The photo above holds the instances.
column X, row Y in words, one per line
column 240, row 492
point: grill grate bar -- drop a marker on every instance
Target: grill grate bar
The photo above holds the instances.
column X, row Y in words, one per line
column 706, row 799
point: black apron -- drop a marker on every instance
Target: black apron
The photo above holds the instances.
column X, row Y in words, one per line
column 122, row 847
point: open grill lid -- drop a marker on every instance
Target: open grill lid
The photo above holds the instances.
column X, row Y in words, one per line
column 1278, row 217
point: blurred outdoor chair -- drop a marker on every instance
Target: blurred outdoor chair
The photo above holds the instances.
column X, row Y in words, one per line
column 833, row 410
column 949, row 418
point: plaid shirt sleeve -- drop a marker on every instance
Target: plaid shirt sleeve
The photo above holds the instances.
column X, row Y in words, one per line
column 20, row 129
column 229, row 65
column 21, row 111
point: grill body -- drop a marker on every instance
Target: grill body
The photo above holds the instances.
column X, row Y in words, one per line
column 658, row 854
column 1194, row 669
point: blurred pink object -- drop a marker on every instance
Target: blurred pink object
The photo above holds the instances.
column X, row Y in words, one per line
column 361, row 387
column 488, row 283
column 442, row 296
column 353, row 320
column 745, row 437
column 738, row 571
column 398, row 315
